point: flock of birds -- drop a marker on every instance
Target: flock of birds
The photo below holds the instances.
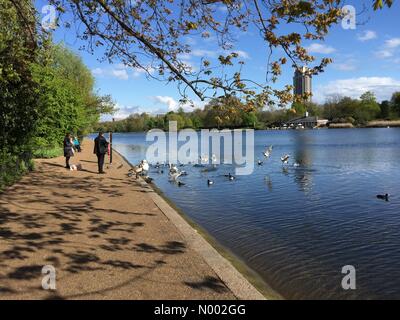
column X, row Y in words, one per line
column 175, row 173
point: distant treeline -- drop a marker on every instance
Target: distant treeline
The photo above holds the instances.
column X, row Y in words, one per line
column 45, row 91
column 230, row 112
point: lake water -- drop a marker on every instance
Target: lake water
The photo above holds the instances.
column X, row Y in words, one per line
column 298, row 226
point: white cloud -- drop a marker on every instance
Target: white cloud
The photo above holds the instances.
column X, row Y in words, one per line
column 171, row 103
column 346, row 66
column 389, row 48
column 117, row 72
column 121, row 71
column 204, row 53
column 121, row 74
column 383, row 87
column 242, row 54
column 367, row 35
column 383, row 54
column 174, row 105
column 320, row 48
column 392, row 43
column 123, row 112
column 137, row 72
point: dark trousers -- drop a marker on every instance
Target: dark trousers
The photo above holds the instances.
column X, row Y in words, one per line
column 100, row 161
column 67, row 162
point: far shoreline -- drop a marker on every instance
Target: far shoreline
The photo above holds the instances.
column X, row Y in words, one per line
column 372, row 125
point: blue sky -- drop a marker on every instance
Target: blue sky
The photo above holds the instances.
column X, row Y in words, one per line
column 367, row 58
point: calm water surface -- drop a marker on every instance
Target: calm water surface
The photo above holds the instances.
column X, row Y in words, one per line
column 298, row 226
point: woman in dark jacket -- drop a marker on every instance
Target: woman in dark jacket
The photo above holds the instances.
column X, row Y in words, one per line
column 68, row 149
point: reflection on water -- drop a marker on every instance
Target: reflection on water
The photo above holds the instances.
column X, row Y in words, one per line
column 297, row 226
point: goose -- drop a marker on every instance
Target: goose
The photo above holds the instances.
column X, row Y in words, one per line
column 383, row 196
column 209, row 182
column 285, row 158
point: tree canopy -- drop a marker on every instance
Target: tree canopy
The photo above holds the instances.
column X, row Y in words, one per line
column 45, row 91
column 151, row 35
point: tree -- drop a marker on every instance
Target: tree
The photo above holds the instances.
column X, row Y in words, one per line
column 67, row 101
column 151, row 35
column 18, row 90
column 385, row 109
column 369, row 108
column 395, row 103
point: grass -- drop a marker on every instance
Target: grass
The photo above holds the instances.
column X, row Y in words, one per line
column 12, row 168
column 47, row 153
column 10, row 172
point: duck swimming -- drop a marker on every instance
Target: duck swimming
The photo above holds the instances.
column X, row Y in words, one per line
column 209, row 182
column 383, row 196
column 285, row 158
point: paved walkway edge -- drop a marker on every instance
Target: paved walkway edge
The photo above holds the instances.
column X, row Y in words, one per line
column 232, row 278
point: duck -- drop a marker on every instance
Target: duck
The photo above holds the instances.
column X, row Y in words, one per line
column 148, row 179
column 383, row 196
column 260, row 163
column 180, row 184
column 268, row 151
column 210, row 182
column 296, row 164
column 266, row 154
column 285, row 158
column 231, row 177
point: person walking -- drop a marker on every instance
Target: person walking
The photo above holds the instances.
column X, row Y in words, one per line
column 68, row 150
column 100, row 149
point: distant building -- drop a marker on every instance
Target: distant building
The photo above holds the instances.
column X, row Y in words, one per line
column 307, row 122
column 302, row 82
